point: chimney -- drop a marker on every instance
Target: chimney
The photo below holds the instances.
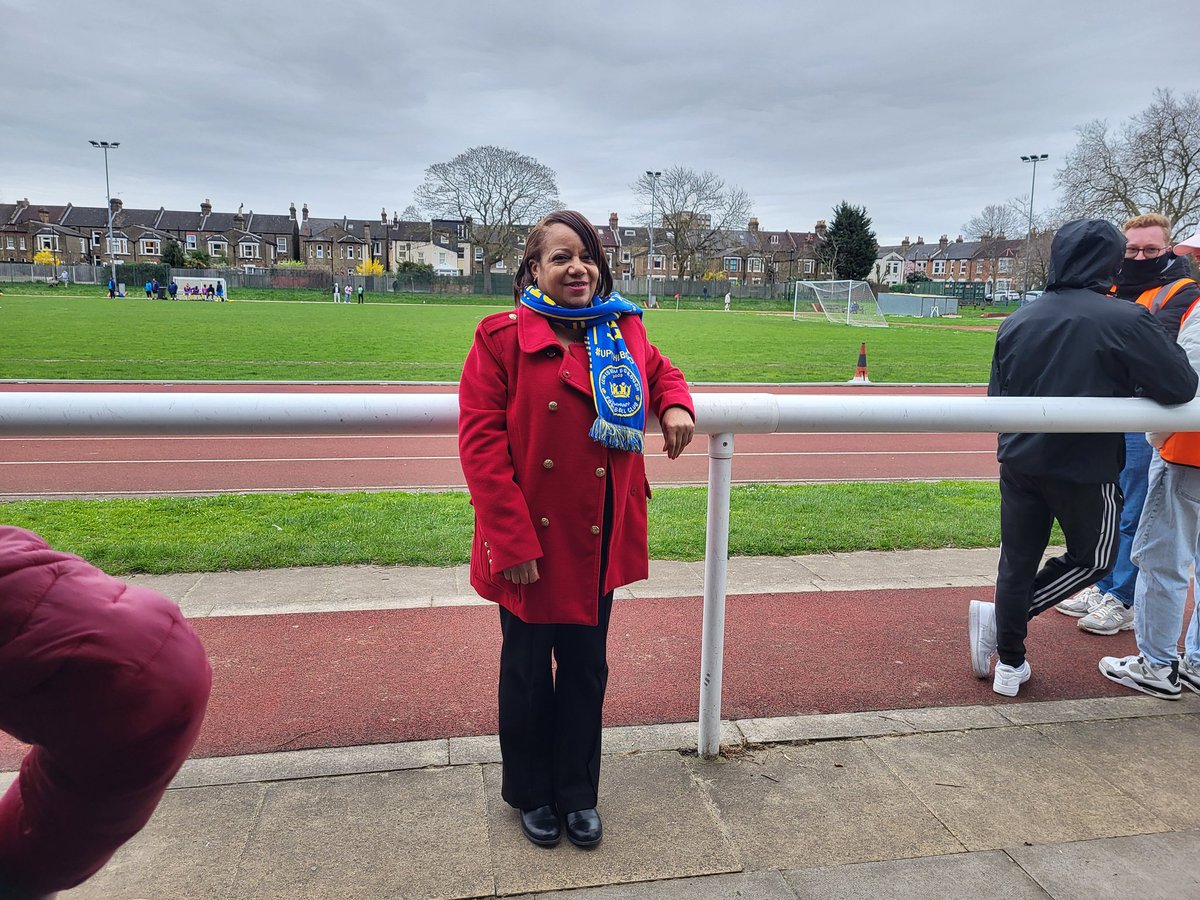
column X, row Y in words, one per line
column 239, row 220
column 206, row 207
column 115, row 204
column 943, row 241
column 920, row 240
column 958, row 240
column 44, row 215
column 304, row 213
column 292, row 210
column 612, row 221
column 821, row 229
column 24, row 204
column 753, row 224
column 367, row 237
column 383, row 217
column 395, row 219
column 904, row 245
column 1001, row 236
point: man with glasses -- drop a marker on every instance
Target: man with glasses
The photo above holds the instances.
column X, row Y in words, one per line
column 1165, row 549
column 1153, row 277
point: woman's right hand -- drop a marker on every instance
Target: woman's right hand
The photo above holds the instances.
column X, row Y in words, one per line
column 522, row 573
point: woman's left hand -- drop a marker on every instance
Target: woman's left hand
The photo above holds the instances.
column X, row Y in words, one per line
column 678, row 428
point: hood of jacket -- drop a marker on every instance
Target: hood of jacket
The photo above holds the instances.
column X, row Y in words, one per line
column 1139, row 275
column 1085, row 254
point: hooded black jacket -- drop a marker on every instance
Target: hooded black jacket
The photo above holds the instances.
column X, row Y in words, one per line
column 1164, row 270
column 1076, row 342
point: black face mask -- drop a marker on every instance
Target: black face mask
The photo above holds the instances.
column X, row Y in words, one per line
column 1142, row 271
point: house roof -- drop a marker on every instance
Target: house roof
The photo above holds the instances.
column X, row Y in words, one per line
column 265, row 223
column 180, row 220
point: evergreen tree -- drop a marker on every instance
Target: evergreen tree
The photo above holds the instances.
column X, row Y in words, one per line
column 172, row 255
column 849, row 249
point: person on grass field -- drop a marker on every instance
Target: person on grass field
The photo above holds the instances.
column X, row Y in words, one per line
column 1166, row 547
column 1074, row 342
column 1155, row 278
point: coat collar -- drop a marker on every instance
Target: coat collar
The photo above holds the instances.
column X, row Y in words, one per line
column 534, row 333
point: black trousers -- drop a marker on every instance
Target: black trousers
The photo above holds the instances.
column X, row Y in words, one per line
column 1090, row 516
column 550, row 721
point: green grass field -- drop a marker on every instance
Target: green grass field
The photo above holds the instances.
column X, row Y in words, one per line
column 74, row 334
column 68, row 336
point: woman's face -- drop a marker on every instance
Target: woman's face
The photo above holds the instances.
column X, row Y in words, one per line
column 566, row 271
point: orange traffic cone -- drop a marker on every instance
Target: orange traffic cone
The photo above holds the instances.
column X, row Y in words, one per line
column 860, row 371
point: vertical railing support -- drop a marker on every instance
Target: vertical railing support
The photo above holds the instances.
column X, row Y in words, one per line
column 716, row 559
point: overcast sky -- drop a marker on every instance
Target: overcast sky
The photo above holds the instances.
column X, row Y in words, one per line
column 917, row 111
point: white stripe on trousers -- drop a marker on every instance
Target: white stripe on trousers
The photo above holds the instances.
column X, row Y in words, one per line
column 1073, row 579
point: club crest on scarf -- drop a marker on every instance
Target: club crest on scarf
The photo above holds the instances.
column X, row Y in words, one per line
column 616, row 382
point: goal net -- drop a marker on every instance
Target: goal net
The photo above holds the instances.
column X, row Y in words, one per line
column 844, row 302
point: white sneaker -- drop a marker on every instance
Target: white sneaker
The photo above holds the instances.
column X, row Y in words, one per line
column 1082, row 603
column 1109, row 617
column 1189, row 675
column 981, row 630
column 1009, row 680
column 1142, row 675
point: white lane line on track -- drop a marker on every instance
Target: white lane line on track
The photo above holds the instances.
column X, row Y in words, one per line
column 335, row 459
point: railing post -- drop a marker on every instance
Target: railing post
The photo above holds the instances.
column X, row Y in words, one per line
column 716, row 559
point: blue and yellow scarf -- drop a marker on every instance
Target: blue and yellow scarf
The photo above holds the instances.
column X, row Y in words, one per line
column 616, row 382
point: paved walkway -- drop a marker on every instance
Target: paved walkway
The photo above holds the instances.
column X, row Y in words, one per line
column 1064, row 799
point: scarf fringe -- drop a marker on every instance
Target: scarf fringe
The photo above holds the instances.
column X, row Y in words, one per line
column 618, row 437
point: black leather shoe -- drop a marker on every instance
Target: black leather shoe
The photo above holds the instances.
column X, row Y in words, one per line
column 541, row 825
column 584, row 827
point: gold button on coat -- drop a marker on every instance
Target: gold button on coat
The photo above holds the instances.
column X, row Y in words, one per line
column 552, row 406
column 595, row 529
column 512, row 315
column 548, row 464
column 545, row 521
column 600, row 472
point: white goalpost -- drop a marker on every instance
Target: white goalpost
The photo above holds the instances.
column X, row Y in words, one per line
column 842, row 302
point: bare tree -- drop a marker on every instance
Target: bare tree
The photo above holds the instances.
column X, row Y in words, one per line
column 994, row 220
column 498, row 190
column 1150, row 164
column 695, row 211
column 412, row 213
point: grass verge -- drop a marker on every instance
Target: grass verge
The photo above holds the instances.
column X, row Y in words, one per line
column 264, row 531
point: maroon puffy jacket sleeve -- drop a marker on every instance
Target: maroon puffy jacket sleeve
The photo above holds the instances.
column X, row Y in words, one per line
column 501, row 513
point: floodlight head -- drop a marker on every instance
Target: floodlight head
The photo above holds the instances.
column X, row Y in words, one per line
column 94, row 143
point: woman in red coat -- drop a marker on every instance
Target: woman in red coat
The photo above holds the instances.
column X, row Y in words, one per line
column 552, row 407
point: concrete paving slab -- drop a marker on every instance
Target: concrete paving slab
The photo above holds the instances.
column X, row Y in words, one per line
column 293, row 764
column 673, row 736
column 671, row 578
column 1000, row 787
column 831, row 726
column 420, row 833
column 949, row 718
column 1147, row 866
column 176, row 587
column 769, row 575
column 878, row 569
column 475, row 750
column 657, row 824
column 741, row 886
column 983, row 875
column 188, row 851
column 1132, row 706
column 1153, row 754
column 820, row 804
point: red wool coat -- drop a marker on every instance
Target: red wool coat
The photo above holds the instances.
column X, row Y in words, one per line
column 537, row 480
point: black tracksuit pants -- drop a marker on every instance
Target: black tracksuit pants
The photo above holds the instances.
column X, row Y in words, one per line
column 550, row 718
column 1090, row 516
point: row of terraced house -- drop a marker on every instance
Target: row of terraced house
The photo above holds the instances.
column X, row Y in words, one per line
column 78, row 234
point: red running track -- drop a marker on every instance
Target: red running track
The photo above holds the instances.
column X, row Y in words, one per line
column 129, row 466
column 293, row 682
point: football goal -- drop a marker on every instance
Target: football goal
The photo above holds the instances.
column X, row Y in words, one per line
column 844, row 302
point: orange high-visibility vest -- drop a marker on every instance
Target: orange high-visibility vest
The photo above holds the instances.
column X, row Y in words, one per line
column 1155, row 299
column 1183, row 447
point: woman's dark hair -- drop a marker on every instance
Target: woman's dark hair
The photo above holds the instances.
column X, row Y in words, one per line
column 535, row 243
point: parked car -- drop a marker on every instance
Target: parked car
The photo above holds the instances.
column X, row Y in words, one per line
column 1007, row 296
column 1030, row 296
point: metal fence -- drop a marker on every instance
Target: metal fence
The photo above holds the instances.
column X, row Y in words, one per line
column 721, row 416
column 76, row 274
column 665, row 289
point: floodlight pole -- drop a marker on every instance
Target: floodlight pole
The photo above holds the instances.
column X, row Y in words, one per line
column 1035, row 159
column 650, row 231
column 112, row 253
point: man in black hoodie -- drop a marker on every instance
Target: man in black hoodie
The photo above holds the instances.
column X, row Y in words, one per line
column 1154, row 277
column 1073, row 342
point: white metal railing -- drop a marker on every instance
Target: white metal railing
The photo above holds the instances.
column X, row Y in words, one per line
column 720, row 416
